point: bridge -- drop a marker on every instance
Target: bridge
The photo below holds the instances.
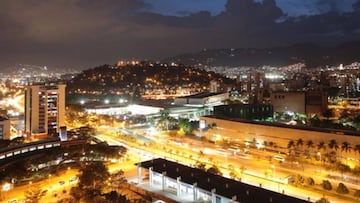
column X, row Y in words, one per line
column 12, row 153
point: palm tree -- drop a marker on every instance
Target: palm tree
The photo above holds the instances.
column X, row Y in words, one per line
column 345, row 146
column 299, row 143
column 321, row 146
column 310, row 144
column 291, row 144
column 165, row 118
column 357, row 148
column 333, row 145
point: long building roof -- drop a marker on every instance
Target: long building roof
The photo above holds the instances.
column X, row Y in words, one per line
column 225, row 187
column 202, row 95
column 282, row 125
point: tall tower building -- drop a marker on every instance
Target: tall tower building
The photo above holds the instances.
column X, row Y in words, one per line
column 44, row 108
column 4, row 128
column 214, row 86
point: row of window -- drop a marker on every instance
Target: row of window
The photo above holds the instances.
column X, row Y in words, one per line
column 28, row 149
column 279, row 96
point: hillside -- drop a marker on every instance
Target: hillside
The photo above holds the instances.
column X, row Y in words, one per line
column 145, row 75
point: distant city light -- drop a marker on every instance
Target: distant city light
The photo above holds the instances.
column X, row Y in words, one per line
column 273, row 76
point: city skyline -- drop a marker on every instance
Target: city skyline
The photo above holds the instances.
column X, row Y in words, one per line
column 82, row 34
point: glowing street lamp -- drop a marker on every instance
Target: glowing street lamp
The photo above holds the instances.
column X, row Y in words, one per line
column 6, row 187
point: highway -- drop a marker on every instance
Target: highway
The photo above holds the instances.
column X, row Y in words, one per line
column 257, row 167
column 253, row 168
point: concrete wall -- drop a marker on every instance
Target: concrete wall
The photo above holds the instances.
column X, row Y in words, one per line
column 243, row 132
column 288, row 101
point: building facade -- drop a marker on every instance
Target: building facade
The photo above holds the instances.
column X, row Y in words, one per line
column 245, row 111
column 4, row 128
column 203, row 99
column 262, row 134
column 44, row 108
column 310, row 102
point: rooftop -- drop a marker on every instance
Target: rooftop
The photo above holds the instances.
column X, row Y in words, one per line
column 225, row 187
column 202, row 95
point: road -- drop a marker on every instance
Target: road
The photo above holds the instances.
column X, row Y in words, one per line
column 253, row 167
column 258, row 169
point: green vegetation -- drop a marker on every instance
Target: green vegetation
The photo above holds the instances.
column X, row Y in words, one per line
column 326, row 185
column 34, row 195
column 322, row 200
column 342, row 189
column 144, row 75
column 310, row 181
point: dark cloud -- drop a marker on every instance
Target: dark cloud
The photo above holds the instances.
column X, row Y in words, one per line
column 356, row 5
column 92, row 32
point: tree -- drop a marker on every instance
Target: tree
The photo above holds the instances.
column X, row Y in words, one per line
column 357, row 148
column 322, row 200
column 342, row 189
column 326, row 185
column 333, row 144
column 185, row 125
column 291, row 145
column 165, row 118
column 310, row 181
column 200, row 165
column 34, row 195
column 234, row 175
column 314, row 121
column 356, row 118
column 115, row 197
column 357, row 194
column 93, row 175
column 117, row 179
column 328, row 113
column 345, row 146
column 214, row 170
column 299, row 143
column 67, row 200
column 343, row 168
column 321, row 145
column 310, row 144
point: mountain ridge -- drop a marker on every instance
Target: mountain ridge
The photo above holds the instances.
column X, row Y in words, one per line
column 311, row 54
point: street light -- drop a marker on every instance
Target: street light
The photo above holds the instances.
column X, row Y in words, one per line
column 273, row 167
column 6, row 187
column 278, row 183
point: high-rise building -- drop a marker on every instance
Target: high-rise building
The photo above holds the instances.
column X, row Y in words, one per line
column 4, row 128
column 44, row 108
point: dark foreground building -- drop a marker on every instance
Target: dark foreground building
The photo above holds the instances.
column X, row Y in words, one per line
column 245, row 111
column 200, row 185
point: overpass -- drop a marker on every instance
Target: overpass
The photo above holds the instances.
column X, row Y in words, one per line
column 13, row 153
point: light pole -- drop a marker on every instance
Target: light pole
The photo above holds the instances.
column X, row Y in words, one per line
column 275, row 178
column 6, row 187
column 274, row 169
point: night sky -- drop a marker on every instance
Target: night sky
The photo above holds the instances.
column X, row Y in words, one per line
column 87, row 33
